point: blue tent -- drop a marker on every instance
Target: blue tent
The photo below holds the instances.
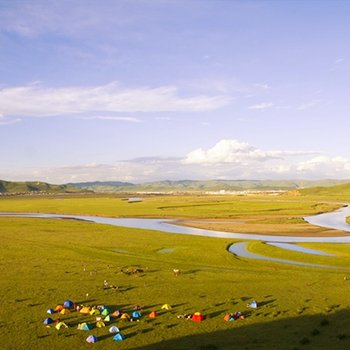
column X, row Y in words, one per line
column 48, row 321
column 68, row 303
column 136, row 315
column 50, row 311
column 119, row 337
column 85, row 326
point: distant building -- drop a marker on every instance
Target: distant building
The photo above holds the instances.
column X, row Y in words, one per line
column 134, row 199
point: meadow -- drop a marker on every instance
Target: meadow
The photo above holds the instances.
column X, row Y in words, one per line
column 45, row 261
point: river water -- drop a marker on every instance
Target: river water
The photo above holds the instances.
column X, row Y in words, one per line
column 333, row 220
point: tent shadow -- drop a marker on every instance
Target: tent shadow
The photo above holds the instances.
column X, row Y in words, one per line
column 188, row 272
column 305, row 331
column 246, row 298
column 266, row 302
column 152, row 306
column 105, row 336
column 217, row 313
column 86, row 301
column 178, row 305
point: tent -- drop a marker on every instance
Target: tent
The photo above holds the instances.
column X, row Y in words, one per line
column 94, row 312
column 68, row 304
column 59, row 325
column 85, row 310
column 64, row 312
column 50, row 311
column 197, row 317
column 58, row 308
column 114, row 329
column 91, row 339
column 100, row 324
column 119, row 337
column 107, row 318
column 117, row 313
column 125, row 316
column 153, row 314
column 48, row 321
column 229, row 317
column 84, row 326
column 253, row 304
column 238, row 315
column 136, row 315
column 166, row 307
column 105, row 311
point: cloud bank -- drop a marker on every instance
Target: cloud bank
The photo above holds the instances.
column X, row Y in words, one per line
column 39, row 101
column 228, row 159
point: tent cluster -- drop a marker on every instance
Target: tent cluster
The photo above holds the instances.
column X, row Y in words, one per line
column 234, row 316
column 196, row 317
column 101, row 315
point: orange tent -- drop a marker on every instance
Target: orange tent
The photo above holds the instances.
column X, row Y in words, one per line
column 59, row 308
column 153, row 314
column 117, row 313
column 229, row 317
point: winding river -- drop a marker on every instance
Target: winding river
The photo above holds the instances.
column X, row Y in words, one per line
column 333, row 220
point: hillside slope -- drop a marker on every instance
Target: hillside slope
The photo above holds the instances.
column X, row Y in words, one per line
column 10, row 187
column 203, row 186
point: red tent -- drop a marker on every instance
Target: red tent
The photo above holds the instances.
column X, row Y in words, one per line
column 197, row 317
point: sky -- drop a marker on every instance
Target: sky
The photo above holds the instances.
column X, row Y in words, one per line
column 150, row 90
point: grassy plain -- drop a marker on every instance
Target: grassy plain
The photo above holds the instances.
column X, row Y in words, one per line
column 44, row 262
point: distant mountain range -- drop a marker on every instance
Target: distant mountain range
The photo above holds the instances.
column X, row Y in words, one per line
column 204, row 186
column 182, row 186
column 10, row 187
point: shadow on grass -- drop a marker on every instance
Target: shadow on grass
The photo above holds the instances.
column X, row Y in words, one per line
column 87, row 301
column 266, row 302
column 331, row 331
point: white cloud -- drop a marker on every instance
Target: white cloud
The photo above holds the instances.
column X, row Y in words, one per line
column 325, row 165
column 38, row 101
column 263, row 105
column 308, row 105
column 8, row 121
column 339, row 60
column 228, row 159
column 115, row 118
column 263, row 86
column 233, row 151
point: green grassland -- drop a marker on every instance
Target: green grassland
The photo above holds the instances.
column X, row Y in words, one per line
column 208, row 207
column 45, row 261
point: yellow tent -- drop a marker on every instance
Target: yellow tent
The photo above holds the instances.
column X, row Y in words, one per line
column 59, row 325
column 125, row 316
column 64, row 312
column 100, row 324
column 166, row 307
column 107, row 318
column 94, row 312
column 85, row 310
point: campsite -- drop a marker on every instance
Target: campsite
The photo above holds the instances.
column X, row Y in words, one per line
column 45, row 262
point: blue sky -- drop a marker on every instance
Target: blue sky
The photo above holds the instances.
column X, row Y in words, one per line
column 143, row 90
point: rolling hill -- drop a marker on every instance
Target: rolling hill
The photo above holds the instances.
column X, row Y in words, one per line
column 10, row 187
column 204, row 186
